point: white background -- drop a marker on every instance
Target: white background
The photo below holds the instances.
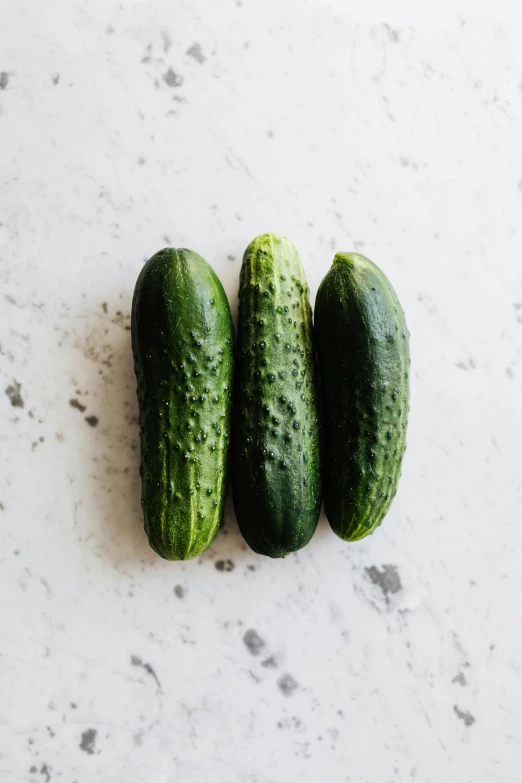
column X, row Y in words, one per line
column 382, row 128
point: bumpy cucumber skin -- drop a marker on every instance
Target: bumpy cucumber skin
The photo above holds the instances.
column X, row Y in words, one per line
column 276, row 473
column 182, row 342
column 363, row 355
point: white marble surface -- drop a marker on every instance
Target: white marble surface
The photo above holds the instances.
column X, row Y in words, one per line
column 128, row 126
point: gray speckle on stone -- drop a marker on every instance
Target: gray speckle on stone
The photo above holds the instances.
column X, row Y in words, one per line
column 253, row 642
column 88, row 742
column 196, row 53
column 460, row 679
column 167, row 41
column 287, row 684
column 393, row 35
column 77, row 404
column 224, row 565
column 14, row 394
column 464, row 715
column 135, row 661
column 172, row 79
column 387, row 579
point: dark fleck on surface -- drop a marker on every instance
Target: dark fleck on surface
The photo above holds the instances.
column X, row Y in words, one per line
column 45, row 770
column 196, row 53
column 253, row 642
column 167, row 42
column 464, row 715
column 88, row 741
column 4, row 80
column 231, row 257
column 270, row 663
column 32, row 769
column 72, row 705
column 77, row 404
column 172, row 79
column 14, row 394
column 56, row 78
column 104, row 307
column 92, row 420
column 387, row 579
column 135, row 661
column 179, row 591
column 45, row 584
column 287, row 684
column 224, row 565
column 460, row 679
column 251, row 567
column 393, row 35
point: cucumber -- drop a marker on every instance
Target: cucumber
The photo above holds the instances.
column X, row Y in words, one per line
column 182, row 342
column 276, row 461
column 363, row 355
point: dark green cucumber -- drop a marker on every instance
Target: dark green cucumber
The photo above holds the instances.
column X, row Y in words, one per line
column 363, row 354
column 182, row 341
column 276, row 478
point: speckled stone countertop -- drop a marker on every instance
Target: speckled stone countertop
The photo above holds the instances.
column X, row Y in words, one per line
column 125, row 127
